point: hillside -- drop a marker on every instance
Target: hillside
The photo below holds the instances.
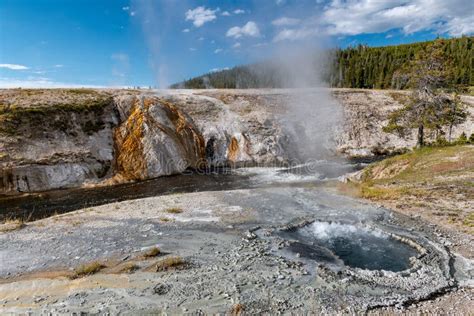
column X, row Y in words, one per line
column 435, row 184
column 352, row 67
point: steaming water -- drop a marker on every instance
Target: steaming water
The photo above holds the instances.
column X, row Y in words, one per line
column 358, row 247
column 315, row 170
column 60, row 201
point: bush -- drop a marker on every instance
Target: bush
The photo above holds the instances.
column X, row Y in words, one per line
column 152, row 252
column 462, row 139
column 441, row 141
column 471, row 139
column 168, row 263
column 88, row 269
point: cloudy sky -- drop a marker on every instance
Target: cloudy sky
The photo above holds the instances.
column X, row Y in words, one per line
column 52, row 43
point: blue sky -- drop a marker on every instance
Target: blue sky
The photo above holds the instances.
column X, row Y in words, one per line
column 51, row 43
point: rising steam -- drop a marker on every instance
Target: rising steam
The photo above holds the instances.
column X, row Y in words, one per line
column 311, row 114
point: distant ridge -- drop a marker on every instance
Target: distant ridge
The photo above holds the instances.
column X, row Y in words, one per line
column 353, row 67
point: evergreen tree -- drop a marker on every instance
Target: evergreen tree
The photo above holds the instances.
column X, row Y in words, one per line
column 431, row 108
column 354, row 67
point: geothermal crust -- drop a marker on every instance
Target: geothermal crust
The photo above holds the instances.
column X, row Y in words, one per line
column 232, row 257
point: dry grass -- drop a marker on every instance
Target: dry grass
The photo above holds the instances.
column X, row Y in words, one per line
column 11, row 225
column 174, row 210
column 152, row 252
column 435, row 182
column 400, row 97
column 77, row 223
column 129, row 268
column 165, row 219
column 237, row 309
column 168, row 263
column 87, row 269
column 469, row 220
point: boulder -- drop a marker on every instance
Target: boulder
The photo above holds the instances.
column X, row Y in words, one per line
column 155, row 140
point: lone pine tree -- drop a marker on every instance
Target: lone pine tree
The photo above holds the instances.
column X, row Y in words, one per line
column 434, row 102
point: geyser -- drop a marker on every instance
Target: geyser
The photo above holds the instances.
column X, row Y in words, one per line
column 357, row 247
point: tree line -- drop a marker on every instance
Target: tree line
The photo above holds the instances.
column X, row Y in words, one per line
column 353, row 67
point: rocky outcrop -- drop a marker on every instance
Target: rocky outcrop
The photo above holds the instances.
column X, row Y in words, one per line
column 238, row 129
column 63, row 144
column 68, row 138
column 366, row 113
column 156, row 139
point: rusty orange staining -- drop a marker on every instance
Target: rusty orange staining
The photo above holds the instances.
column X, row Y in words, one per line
column 233, row 149
column 131, row 161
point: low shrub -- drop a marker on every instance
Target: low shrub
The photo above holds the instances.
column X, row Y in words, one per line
column 152, row 252
column 462, row 139
column 174, row 210
column 87, row 269
column 169, row 262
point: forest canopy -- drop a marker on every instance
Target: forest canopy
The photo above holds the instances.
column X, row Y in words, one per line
column 353, row 67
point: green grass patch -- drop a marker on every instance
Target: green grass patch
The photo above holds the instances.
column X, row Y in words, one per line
column 56, row 117
column 422, row 165
column 409, row 174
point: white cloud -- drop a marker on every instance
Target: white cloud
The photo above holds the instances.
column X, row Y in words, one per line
column 58, row 66
column 218, row 50
column 200, row 15
column 186, row 30
column 13, row 66
column 133, row 13
column 280, row 2
column 236, row 45
column 260, row 44
column 125, row 8
column 295, row 34
column 225, row 13
column 192, row 49
column 39, row 82
column 239, row 11
column 201, row 39
column 284, row 21
column 353, row 17
column 249, row 29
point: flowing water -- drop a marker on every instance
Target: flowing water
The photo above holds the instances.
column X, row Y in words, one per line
column 44, row 204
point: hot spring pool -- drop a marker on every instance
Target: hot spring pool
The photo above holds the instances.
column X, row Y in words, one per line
column 357, row 247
